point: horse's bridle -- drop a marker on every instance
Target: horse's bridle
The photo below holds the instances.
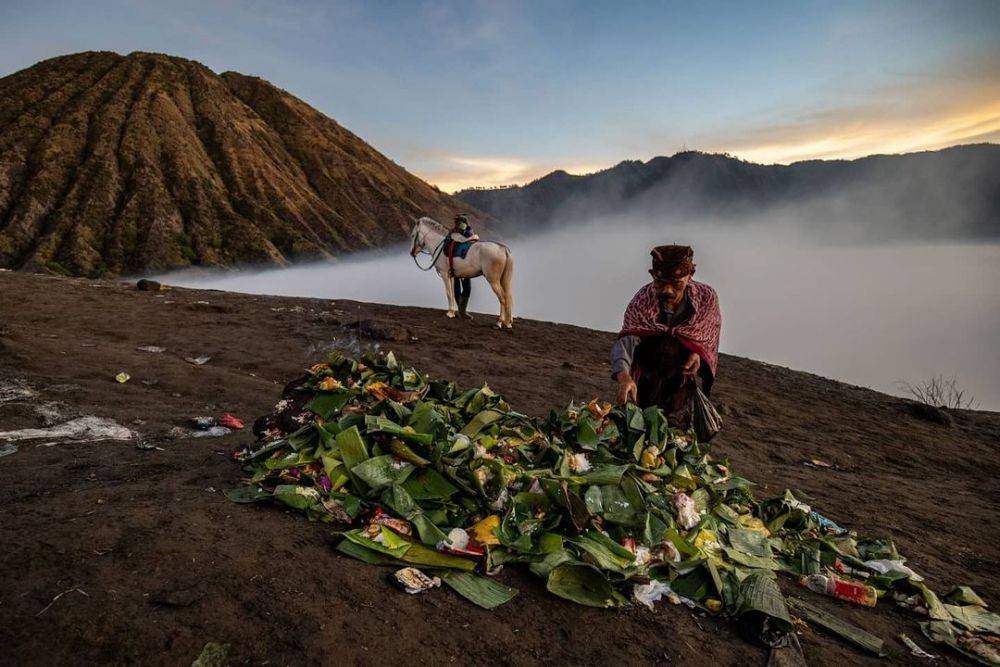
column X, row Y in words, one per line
column 435, row 254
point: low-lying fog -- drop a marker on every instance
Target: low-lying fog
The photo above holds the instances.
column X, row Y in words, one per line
column 871, row 315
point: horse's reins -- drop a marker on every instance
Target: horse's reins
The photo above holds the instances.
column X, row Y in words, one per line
column 434, row 255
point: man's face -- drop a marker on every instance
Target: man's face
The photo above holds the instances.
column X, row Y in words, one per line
column 672, row 291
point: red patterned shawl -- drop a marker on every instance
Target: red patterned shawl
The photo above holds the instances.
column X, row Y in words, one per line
column 700, row 333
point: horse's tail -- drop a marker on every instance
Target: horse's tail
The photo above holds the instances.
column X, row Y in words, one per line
column 505, row 281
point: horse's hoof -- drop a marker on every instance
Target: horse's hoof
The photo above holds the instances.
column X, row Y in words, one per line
column 509, row 325
column 451, row 314
column 499, row 325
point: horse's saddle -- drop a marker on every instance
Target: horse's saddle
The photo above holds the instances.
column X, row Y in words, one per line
column 455, row 249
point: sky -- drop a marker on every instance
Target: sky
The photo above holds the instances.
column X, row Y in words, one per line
column 491, row 93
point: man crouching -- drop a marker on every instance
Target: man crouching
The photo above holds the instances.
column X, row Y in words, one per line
column 669, row 339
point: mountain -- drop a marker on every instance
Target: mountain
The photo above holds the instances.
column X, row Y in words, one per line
column 954, row 192
column 114, row 164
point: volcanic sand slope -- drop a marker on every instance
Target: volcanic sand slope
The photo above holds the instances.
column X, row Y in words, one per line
column 115, row 164
column 167, row 563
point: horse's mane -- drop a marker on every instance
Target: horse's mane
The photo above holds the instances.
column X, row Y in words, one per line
column 434, row 223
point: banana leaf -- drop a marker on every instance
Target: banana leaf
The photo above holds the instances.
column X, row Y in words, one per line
column 403, row 504
column 295, row 496
column 695, row 584
column 749, row 542
column 247, row 494
column 479, row 422
column 329, row 403
column 403, row 451
column 935, row 609
column 551, row 561
column 727, row 514
column 352, row 447
column 303, row 438
column 381, row 471
column 975, row 618
column 366, row 555
column 390, row 543
column 607, row 553
column 962, row 595
column 485, row 593
column 838, row 626
column 586, row 433
column 583, row 584
column 574, row 507
column 428, row 484
column 336, row 471
column 425, row 418
column 943, row 632
column 380, row 424
column 604, row 474
column 292, row 459
column 418, row 554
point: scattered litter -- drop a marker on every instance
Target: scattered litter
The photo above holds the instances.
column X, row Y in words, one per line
column 842, row 589
column 10, row 392
column 7, row 450
column 148, row 446
column 231, row 422
column 687, row 515
column 82, row 428
column 650, row 593
column 150, row 382
column 198, row 361
column 203, row 423
column 418, row 472
column 213, row 432
column 816, row 463
column 413, row 581
column 915, row 649
column 896, row 568
column 156, row 349
column 123, row 377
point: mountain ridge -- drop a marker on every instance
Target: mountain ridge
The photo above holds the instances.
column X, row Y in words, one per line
column 938, row 193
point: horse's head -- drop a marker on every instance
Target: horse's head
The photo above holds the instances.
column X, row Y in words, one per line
column 416, row 239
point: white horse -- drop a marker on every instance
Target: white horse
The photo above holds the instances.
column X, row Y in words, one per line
column 485, row 258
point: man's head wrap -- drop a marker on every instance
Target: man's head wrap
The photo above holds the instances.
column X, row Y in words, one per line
column 671, row 262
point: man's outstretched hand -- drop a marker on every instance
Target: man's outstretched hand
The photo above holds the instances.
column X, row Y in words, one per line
column 627, row 389
column 692, row 365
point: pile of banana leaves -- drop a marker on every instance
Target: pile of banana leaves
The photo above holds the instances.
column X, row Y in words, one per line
column 606, row 504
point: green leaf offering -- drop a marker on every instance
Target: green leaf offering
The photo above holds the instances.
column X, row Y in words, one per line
column 583, row 584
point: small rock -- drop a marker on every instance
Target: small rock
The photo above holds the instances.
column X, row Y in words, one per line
column 148, row 286
column 380, row 330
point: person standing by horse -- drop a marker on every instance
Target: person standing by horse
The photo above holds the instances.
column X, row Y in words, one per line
column 489, row 259
column 461, row 232
column 669, row 338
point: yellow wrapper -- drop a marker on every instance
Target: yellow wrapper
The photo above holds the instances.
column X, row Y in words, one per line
column 483, row 531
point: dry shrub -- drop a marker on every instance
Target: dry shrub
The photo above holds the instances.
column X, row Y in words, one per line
column 940, row 392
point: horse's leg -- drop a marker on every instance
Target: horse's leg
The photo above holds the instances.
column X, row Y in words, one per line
column 494, row 281
column 506, row 278
column 449, row 293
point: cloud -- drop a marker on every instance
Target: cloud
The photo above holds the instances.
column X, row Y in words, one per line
column 954, row 106
column 455, row 172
